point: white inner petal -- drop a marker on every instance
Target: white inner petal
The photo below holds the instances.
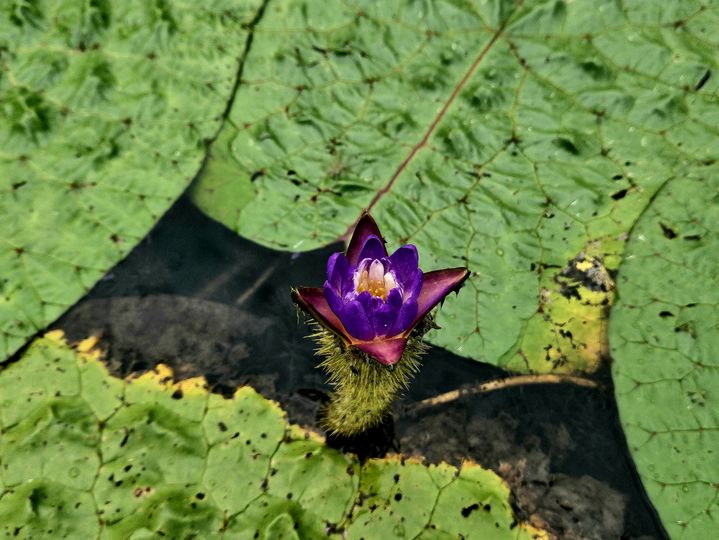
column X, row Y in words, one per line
column 370, row 276
column 389, row 282
column 376, row 272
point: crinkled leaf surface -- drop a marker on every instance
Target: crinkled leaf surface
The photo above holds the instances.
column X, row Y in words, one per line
column 520, row 139
column 83, row 454
column 105, row 108
column 664, row 332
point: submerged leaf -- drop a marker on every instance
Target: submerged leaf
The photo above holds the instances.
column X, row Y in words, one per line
column 517, row 139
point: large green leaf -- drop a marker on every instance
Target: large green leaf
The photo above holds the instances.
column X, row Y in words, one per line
column 83, row 454
column 522, row 141
column 665, row 336
column 105, row 108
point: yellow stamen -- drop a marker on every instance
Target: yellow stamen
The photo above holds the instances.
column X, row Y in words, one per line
column 375, row 281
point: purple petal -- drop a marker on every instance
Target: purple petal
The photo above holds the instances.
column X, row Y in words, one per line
column 373, row 248
column 386, row 352
column 355, row 321
column 382, row 320
column 333, row 298
column 405, row 262
column 313, row 301
column 365, row 227
column 337, row 269
column 348, row 283
column 369, row 302
column 394, row 298
column 413, row 285
column 385, row 314
column 406, row 318
column 437, row 285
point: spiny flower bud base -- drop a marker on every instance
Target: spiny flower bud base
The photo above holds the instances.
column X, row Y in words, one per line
column 364, row 388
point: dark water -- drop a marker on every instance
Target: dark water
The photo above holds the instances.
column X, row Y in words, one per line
column 197, row 297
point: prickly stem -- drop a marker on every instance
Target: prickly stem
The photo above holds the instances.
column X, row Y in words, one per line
column 364, row 388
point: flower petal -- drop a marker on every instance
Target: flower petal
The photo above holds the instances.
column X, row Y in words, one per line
column 337, row 269
column 405, row 261
column 313, row 301
column 348, row 284
column 373, row 248
column 394, row 298
column 334, row 300
column 356, row 322
column 376, row 272
column 413, row 286
column 384, row 315
column 369, row 302
column 436, row 286
column 386, row 352
column 365, row 227
column 406, row 318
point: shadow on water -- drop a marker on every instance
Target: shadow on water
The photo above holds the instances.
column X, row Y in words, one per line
column 206, row 302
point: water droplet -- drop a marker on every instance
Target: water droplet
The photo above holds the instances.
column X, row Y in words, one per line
column 74, row 472
column 685, row 489
column 493, row 282
column 500, row 251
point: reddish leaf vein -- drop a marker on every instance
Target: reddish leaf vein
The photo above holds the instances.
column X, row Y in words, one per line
column 435, row 122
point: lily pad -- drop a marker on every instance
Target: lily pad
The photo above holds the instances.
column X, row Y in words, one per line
column 522, row 139
column 92, row 455
column 105, row 109
column 665, row 336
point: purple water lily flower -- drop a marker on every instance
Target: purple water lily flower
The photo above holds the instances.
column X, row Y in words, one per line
column 373, row 300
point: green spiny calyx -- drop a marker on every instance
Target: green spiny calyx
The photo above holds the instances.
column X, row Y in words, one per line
column 364, row 388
